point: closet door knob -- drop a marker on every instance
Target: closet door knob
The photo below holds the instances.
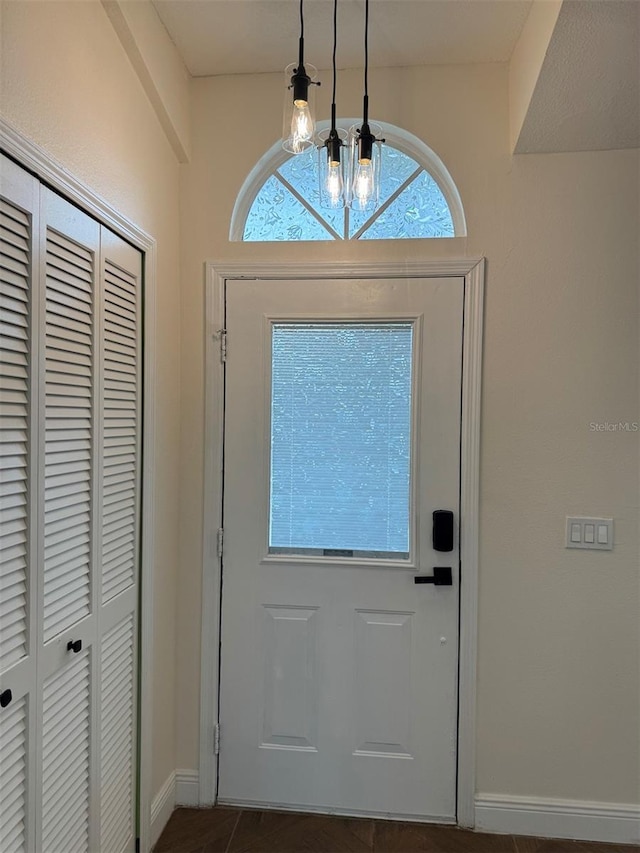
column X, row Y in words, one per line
column 5, row 698
column 74, row 647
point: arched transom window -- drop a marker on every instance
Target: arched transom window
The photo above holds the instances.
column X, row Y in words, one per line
column 418, row 199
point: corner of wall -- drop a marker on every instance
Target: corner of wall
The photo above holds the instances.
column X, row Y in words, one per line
column 158, row 66
column 527, row 61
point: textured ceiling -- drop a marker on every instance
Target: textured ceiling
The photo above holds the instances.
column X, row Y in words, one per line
column 587, row 97
column 251, row 36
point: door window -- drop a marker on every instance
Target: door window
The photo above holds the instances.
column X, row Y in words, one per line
column 341, row 414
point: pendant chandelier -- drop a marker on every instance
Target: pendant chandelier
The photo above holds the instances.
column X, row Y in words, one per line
column 355, row 183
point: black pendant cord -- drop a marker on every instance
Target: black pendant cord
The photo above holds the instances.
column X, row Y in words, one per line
column 335, row 45
column 334, row 133
column 365, row 112
column 366, row 138
column 300, row 80
column 301, row 42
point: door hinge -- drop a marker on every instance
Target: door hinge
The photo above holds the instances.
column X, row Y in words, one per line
column 216, row 739
column 137, row 845
column 222, row 333
column 219, row 541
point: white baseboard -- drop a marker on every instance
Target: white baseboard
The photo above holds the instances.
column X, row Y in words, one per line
column 162, row 806
column 547, row 818
column 181, row 788
column 187, row 788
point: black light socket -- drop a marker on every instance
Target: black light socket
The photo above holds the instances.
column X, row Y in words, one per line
column 300, row 81
column 333, row 144
column 365, row 144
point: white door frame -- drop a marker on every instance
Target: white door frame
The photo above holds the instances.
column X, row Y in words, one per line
column 37, row 161
column 472, row 270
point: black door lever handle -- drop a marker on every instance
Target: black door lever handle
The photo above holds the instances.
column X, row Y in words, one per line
column 441, row 577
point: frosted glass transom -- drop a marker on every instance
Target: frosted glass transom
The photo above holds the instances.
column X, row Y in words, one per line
column 276, row 214
column 287, row 205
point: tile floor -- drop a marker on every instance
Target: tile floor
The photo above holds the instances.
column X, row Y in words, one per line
column 226, row 830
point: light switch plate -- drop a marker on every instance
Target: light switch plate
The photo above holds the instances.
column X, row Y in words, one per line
column 596, row 534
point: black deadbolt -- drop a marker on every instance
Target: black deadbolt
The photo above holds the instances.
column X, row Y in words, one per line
column 443, row 530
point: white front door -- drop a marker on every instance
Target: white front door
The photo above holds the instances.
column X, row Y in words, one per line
column 338, row 683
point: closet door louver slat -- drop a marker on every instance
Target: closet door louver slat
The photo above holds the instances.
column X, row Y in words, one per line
column 69, row 294
column 120, row 432
column 15, row 363
column 13, row 776
column 117, row 731
column 119, row 464
column 66, row 748
column 19, row 254
column 69, row 350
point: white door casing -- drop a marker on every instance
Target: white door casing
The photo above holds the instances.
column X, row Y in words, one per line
column 472, row 272
column 345, row 670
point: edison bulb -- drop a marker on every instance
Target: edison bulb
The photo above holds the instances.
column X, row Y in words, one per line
column 334, row 181
column 301, row 125
column 364, row 182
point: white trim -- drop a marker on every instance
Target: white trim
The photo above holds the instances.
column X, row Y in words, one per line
column 38, row 161
column 550, row 818
column 472, row 269
column 396, row 137
column 267, row 270
column 147, row 548
column 211, row 522
column 469, row 538
column 180, row 789
column 162, row 808
column 187, row 788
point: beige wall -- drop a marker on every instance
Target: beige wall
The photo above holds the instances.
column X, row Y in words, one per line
column 559, row 639
column 66, row 83
column 559, row 642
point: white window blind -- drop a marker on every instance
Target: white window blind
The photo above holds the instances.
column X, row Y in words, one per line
column 341, row 438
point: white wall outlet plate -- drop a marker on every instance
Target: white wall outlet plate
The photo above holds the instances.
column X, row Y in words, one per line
column 593, row 533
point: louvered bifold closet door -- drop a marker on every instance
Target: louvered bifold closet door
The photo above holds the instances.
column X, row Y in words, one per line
column 69, row 656
column 19, row 215
column 119, row 498
column 70, row 409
